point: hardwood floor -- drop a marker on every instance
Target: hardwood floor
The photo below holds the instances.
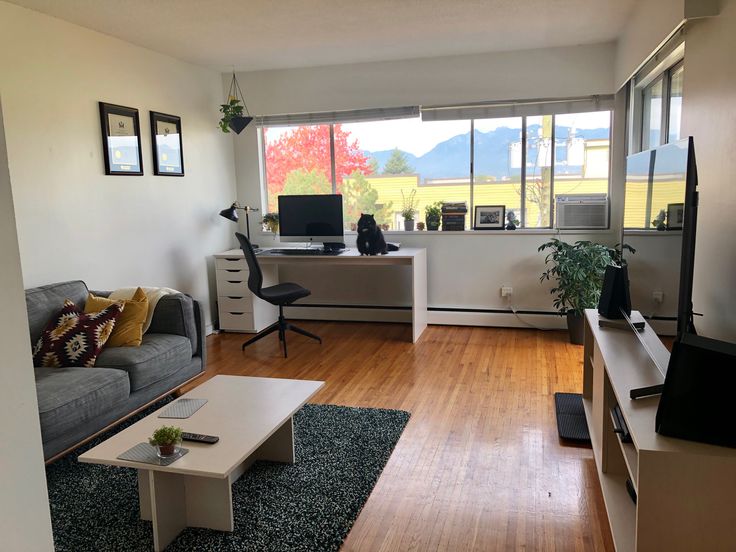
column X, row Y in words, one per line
column 479, row 466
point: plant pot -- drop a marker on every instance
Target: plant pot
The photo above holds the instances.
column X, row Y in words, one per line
column 420, row 226
column 433, row 224
column 165, row 451
column 575, row 327
column 237, row 124
column 408, row 225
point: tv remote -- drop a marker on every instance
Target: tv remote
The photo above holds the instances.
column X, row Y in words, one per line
column 199, row 438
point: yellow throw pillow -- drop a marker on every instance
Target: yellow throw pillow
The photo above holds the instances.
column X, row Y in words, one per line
column 128, row 330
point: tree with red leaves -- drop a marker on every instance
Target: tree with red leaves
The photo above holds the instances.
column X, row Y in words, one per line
column 307, row 149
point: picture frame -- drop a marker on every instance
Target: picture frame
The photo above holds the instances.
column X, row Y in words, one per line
column 675, row 216
column 489, row 217
column 121, row 140
column 167, row 144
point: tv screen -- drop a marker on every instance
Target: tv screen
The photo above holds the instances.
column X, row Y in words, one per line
column 304, row 218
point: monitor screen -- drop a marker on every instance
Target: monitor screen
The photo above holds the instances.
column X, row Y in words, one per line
column 311, row 218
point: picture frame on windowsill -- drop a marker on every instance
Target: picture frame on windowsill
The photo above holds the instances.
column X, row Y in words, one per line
column 121, row 140
column 489, row 217
column 166, row 141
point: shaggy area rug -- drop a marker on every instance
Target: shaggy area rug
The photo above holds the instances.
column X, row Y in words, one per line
column 307, row 506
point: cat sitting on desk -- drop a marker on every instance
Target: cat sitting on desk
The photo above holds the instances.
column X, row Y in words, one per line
column 370, row 237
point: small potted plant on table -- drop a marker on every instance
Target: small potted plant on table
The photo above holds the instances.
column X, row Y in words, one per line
column 167, row 440
column 433, row 215
column 271, row 222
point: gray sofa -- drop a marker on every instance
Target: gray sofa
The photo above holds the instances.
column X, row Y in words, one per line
column 76, row 403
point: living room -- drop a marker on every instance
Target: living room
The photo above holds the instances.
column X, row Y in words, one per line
column 478, row 464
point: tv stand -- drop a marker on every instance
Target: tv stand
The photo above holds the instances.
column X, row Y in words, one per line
column 686, row 491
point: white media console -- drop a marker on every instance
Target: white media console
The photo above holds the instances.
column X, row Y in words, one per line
column 686, row 491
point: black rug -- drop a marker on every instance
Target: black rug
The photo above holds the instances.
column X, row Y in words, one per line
column 307, row 506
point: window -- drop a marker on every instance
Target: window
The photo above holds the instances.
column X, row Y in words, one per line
column 661, row 108
column 375, row 165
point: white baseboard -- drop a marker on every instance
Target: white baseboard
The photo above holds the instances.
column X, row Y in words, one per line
column 347, row 314
column 498, row 320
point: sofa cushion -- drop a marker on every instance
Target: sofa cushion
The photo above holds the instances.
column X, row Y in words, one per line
column 46, row 301
column 70, row 397
column 159, row 356
column 128, row 330
column 73, row 338
column 174, row 314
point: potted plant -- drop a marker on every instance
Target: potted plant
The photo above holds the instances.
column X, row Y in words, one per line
column 409, row 209
column 658, row 222
column 433, row 215
column 167, row 439
column 232, row 110
column 578, row 270
column 420, row 226
column 512, row 221
column 271, row 222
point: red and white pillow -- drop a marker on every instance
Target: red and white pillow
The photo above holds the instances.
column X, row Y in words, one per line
column 75, row 338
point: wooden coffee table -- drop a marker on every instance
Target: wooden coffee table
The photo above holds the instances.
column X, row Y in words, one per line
column 252, row 417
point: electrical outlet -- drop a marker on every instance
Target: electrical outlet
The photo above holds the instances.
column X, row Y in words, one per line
column 658, row 297
column 507, row 291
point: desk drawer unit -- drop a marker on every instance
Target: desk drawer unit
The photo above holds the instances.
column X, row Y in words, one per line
column 238, row 309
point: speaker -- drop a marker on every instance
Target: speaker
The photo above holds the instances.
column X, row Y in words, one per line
column 697, row 399
column 615, row 295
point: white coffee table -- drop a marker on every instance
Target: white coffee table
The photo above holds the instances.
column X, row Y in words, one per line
column 252, row 417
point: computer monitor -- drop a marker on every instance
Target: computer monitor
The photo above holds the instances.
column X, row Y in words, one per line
column 311, row 218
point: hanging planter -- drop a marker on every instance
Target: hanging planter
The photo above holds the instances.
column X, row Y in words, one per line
column 232, row 110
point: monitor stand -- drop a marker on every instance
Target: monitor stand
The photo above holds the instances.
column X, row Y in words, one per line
column 333, row 246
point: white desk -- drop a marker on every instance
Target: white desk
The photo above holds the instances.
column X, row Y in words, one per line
column 231, row 269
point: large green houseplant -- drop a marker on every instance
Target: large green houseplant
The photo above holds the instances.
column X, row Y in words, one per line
column 577, row 269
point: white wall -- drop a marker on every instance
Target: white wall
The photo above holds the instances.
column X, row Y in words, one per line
column 465, row 271
column 25, row 523
column 75, row 222
column 709, row 115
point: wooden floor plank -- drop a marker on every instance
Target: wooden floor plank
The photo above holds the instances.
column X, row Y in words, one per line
column 479, row 466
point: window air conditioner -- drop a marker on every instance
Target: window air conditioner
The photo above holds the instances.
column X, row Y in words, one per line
column 581, row 211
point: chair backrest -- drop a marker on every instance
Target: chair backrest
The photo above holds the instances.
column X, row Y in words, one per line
column 255, row 276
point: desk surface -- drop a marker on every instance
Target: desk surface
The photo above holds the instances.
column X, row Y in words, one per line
column 403, row 254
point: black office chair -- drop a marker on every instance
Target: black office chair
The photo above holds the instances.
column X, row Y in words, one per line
column 282, row 295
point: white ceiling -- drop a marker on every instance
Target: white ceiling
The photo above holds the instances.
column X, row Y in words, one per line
column 271, row 34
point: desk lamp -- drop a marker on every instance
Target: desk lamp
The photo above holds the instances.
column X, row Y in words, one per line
column 231, row 213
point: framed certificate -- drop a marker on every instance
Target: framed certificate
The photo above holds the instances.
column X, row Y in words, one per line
column 168, row 155
column 121, row 140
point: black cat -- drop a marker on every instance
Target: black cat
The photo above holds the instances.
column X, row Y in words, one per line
column 370, row 237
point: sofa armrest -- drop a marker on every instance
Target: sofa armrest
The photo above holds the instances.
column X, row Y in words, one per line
column 175, row 314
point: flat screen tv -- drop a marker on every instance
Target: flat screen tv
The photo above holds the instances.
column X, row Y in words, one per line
column 311, row 218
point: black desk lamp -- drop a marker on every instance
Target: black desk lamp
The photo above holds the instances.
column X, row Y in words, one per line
column 231, row 213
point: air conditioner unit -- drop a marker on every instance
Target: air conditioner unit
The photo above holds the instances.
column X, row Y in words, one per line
column 581, row 211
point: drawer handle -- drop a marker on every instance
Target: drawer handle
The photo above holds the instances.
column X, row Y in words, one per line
column 238, row 313
column 235, row 281
column 232, row 270
column 236, row 259
column 231, row 297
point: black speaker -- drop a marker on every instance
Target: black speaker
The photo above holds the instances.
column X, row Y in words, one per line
column 615, row 295
column 697, row 399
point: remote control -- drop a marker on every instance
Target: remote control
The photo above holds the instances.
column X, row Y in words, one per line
column 199, row 438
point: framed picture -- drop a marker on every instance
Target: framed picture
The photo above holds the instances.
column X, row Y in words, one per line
column 121, row 140
column 675, row 215
column 489, row 217
column 168, row 155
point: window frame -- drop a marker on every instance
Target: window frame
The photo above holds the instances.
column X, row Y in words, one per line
column 471, row 209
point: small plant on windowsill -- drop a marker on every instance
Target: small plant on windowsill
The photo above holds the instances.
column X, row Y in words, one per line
column 167, row 439
column 409, row 209
column 433, row 215
column 271, row 222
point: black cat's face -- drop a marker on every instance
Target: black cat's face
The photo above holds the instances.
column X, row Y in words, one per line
column 366, row 223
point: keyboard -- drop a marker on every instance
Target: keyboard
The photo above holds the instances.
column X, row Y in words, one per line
column 304, row 252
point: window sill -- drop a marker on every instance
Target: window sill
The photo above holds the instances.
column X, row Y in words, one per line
column 520, row 231
column 634, row 232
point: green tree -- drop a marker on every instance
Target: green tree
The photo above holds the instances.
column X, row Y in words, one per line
column 360, row 197
column 302, row 182
column 397, row 163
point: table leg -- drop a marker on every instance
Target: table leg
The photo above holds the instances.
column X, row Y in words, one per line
column 144, row 494
column 419, row 294
column 168, row 506
column 279, row 447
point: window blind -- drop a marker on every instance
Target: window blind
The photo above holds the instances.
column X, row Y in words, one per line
column 328, row 117
column 517, row 108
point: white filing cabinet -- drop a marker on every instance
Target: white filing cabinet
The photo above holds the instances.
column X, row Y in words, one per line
column 239, row 310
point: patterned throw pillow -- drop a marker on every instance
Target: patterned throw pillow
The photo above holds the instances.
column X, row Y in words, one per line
column 75, row 338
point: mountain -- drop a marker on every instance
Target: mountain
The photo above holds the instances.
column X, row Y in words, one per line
column 451, row 158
